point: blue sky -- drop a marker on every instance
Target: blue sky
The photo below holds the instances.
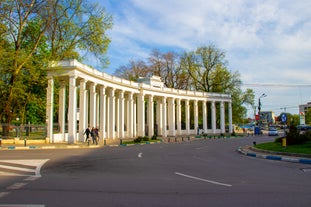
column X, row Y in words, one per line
column 266, row 41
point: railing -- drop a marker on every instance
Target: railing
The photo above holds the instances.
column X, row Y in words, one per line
column 28, row 131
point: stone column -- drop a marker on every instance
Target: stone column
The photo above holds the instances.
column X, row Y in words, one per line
column 93, row 104
column 196, row 114
column 82, row 109
column 130, row 118
column 178, row 116
column 62, row 108
column 112, row 114
column 159, row 116
column 49, row 109
column 230, row 117
column 150, row 116
column 121, row 115
column 102, row 117
column 140, row 115
column 72, row 111
column 135, row 117
column 164, row 123
column 171, row 116
column 213, row 117
column 187, row 117
column 222, row 117
column 204, row 116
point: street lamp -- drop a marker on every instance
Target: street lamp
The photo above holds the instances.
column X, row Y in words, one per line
column 259, row 106
column 259, row 103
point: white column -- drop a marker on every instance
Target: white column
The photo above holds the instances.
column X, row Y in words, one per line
column 159, row 117
column 213, row 117
column 140, row 115
column 61, row 108
column 230, row 117
column 112, row 113
column 164, row 122
column 196, row 114
column 82, row 110
column 93, row 105
column 72, row 111
column 187, row 117
column 130, row 118
column 49, row 109
column 135, row 117
column 171, row 116
column 150, row 116
column 121, row 115
column 204, row 116
column 178, row 116
column 102, row 125
column 222, row 117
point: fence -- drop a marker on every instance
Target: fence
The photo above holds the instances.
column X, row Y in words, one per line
column 28, row 131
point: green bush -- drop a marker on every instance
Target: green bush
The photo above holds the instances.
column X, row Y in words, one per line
column 294, row 137
column 146, row 139
column 138, row 139
column 154, row 137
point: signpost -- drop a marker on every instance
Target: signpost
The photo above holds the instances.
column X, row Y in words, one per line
column 284, row 120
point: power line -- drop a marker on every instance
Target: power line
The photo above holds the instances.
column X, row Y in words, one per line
column 275, row 85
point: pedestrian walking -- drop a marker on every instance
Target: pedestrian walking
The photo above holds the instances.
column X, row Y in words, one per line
column 96, row 135
column 87, row 133
column 93, row 135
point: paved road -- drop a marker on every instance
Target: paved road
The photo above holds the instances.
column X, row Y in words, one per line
column 197, row 173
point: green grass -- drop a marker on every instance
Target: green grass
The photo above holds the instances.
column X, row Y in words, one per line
column 142, row 142
column 277, row 147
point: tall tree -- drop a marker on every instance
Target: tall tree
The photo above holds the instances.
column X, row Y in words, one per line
column 208, row 70
column 167, row 66
column 34, row 32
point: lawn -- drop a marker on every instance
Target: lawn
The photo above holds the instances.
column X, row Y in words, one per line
column 141, row 142
column 277, row 147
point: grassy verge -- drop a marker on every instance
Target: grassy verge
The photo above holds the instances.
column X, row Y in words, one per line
column 277, row 147
column 141, row 142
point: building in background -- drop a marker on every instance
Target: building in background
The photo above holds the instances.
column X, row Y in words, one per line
column 267, row 117
column 304, row 108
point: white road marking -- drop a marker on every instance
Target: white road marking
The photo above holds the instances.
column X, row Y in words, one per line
column 32, row 166
column 3, row 194
column 140, row 155
column 204, row 180
column 16, row 186
column 18, row 168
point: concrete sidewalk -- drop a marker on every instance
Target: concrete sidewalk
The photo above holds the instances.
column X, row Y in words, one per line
column 270, row 155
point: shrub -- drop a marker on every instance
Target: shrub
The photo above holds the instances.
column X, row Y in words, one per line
column 154, row 137
column 145, row 138
column 138, row 139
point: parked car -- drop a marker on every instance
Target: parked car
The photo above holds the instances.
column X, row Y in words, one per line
column 273, row 132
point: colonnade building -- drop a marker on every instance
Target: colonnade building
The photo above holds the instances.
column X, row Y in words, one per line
column 124, row 109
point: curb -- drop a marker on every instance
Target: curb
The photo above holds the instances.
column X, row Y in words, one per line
column 249, row 153
column 72, row 146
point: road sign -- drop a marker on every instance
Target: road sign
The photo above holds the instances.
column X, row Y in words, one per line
column 284, row 118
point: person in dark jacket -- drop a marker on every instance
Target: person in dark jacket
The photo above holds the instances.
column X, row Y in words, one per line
column 87, row 133
column 93, row 135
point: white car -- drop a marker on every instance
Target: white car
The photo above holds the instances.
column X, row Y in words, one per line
column 273, row 132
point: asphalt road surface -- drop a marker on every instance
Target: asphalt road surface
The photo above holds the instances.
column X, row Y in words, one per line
column 197, row 173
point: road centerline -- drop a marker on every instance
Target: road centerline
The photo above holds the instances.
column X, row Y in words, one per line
column 202, row 179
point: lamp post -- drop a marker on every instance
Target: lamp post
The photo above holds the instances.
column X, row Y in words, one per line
column 259, row 105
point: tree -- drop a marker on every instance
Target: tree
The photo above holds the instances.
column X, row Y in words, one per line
column 204, row 69
column 133, row 70
column 167, row 66
column 35, row 32
column 308, row 116
column 207, row 68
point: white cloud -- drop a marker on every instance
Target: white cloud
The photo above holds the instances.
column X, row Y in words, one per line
column 266, row 41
